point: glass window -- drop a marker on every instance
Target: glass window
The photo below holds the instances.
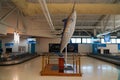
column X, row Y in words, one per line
column 113, row 40
column 89, row 40
column 118, row 40
column 73, row 40
column 102, row 41
column 78, row 40
column 108, row 42
column 84, row 40
column 95, row 40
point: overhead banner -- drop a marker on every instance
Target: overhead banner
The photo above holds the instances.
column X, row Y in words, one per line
column 119, row 47
column 107, row 38
column 9, row 44
column 101, row 45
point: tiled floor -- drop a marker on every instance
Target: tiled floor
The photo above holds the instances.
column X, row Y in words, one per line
column 92, row 69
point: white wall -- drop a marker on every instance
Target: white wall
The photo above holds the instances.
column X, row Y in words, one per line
column 112, row 47
column 43, row 45
column 85, row 48
column 23, row 42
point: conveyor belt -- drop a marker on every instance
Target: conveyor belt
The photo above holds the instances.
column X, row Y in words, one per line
column 108, row 58
column 17, row 61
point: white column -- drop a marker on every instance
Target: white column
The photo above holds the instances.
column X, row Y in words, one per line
column 95, row 32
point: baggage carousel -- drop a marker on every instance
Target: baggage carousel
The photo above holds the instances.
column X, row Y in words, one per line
column 17, row 59
column 115, row 59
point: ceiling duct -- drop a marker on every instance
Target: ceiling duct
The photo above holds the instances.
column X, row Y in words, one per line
column 32, row 1
column 46, row 13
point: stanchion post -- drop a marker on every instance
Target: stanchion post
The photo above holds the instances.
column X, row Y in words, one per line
column 48, row 58
column 42, row 62
column 73, row 63
column 76, row 64
column 79, row 65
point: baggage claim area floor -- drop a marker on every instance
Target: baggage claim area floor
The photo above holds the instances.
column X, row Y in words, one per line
column 92, row 69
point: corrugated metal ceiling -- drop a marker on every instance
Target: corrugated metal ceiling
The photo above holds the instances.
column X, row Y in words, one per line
column 77, row 1
column 83, row 20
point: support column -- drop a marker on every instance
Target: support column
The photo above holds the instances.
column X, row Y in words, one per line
column 95, row 32
column 102, row 26
column 79, row 65
column 114, row 22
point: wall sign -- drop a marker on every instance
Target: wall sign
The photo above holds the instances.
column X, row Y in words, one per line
column 101, row 45
column 9, row 44
column 119, row 47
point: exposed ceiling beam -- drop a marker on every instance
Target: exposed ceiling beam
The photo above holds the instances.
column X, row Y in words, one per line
column 81, row 27
column 101, row 17
column 110, row 31
column 105, row 22
column 17, row 21
column 77, row 1
column 23, row 22
column 86, row 32
column 7, row 14
column 65, row 8
column 46, row 13
column 7, row 25
column 85, row 8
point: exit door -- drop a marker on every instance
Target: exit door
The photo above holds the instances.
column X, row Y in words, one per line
column 32, row 48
